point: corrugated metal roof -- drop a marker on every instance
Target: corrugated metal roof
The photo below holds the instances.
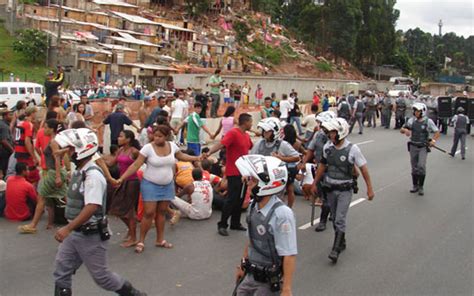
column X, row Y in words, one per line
column 149, row 66
column 114, row 3
column 134, row 41
column 135, row 18
column 117, row 47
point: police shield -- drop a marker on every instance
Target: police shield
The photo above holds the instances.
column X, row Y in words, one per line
column 470, row 109
column 445, row 109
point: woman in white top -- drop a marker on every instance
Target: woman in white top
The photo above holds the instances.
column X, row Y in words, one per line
column 157, row 186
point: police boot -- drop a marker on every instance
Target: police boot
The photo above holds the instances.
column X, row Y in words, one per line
column 421, row 182
column 62, row 291
column 323, row 219
column 336, row 248
column 415, row 183
column 128, row 290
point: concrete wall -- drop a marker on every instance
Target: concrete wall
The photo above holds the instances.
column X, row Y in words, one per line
column 279, row 84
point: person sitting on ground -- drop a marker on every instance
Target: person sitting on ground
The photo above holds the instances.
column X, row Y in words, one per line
column 20, row 196
column 199, row 194
column 184, row 171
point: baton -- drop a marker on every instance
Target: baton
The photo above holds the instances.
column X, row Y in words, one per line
column 439, row 149
column 313, row 206
column 237, row 284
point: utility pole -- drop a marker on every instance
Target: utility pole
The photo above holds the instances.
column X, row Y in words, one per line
column 60, row 17
column 440, row 25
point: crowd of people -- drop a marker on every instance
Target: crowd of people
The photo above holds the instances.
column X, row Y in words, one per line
column 161, row 172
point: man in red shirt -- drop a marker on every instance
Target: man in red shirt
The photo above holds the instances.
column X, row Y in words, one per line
column 24, row 150
column 42, row 140
column 316, row 98
column 20, row 196
column 237, row 143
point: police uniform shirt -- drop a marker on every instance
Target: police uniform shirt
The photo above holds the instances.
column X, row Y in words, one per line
column 282, row 226
column 285, row 148
column 455, row 119
column 355, row 157
column 432, row 128
column 93, row 187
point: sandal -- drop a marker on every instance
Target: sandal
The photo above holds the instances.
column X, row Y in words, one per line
column 128, row 244
column 139, row 248
column 164, row 244
column 176, row 216
column 26, row 229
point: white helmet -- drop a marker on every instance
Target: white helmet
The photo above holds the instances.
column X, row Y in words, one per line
column 420, row 107
column 337, row 124
column 272, row 124
column 83, row 140
column 326, row 116
column 271, row 173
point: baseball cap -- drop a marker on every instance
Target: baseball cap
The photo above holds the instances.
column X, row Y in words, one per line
column 119, row 107
column 147, row 98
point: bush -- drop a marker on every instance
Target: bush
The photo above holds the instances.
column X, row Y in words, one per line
column 323, row 66
column 241, row 30
column 31, row 43
column 269, row 53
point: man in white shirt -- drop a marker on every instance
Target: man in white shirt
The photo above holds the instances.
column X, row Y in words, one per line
column 178, row 110
column 200, row 196
column 285, row 107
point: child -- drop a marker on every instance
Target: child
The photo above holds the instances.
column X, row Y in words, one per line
column 227, row 98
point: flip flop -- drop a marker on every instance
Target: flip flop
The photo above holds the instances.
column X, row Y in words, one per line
column 164, row 244
column 26, row 229
column 139, row 248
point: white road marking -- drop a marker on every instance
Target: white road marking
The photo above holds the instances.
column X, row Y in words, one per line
column 357, row 201
column 365, row 142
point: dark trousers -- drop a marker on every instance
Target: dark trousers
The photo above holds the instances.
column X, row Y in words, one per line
column 4, row 157
column 459, row 136
column 233, row 203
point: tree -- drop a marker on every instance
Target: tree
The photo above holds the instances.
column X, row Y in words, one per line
column 344, row 19
column 31, row 43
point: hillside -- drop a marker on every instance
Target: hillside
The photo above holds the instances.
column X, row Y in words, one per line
column 12, row 62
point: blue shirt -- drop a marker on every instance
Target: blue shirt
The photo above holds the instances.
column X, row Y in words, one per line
column 116, row 121
column 152, row 118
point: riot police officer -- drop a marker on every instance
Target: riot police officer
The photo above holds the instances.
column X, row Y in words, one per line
column 269, row 258
column 460, row 123
column 315, row 152
column 371, row 110
column 337, row 167
column 400, row 108
column 387, row 106
column 418, row 128
column 344, row 109
column 83, row 239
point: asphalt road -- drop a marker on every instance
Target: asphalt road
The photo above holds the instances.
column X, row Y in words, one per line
column 398, row 244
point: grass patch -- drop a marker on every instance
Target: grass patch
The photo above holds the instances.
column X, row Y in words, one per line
column 268, row 53
column 323, row 66
column 13, row 62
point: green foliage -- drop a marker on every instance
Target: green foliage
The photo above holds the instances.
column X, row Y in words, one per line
column 16, row 63
column 31, row 43
column 270, row 54
column 28, row 2
column 196, row 7
column 180, row 56
column 241, row 30
column 323, row 66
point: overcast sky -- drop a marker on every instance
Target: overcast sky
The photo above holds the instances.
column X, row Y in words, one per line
column 457, row 15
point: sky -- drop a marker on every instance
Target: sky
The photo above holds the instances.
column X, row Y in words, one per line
column 457, row 16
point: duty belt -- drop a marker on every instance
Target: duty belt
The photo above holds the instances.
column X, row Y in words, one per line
column 88, row 229
column 337, row 187
column 264, row 274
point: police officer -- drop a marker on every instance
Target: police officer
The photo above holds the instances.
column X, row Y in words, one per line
column 83, row 239
column 315, row 152
column 371, row 110
column 337, row 167
column 387, row 106
column 418, row 128
column 271, row 143
column 460, row 123
column 400, row 108
column 269, row 258
column 358, row 115
column 344, row 109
